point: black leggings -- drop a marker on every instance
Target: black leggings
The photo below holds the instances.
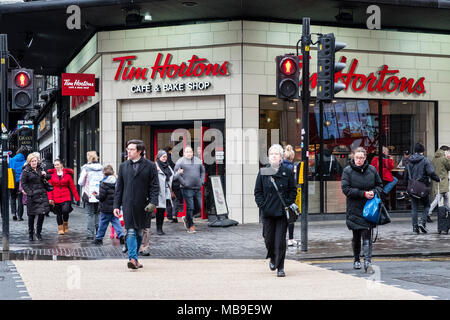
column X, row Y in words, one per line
column 39, row 223
column 366, row 235
column 62, row 211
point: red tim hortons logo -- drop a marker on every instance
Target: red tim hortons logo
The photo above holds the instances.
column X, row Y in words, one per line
column 194, row 67
column 384, row 80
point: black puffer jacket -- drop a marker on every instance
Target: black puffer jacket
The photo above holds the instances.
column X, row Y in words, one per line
column 355, row 181
column 106, row 195
column 37, row 199
column 420, row 168
column 266, row 196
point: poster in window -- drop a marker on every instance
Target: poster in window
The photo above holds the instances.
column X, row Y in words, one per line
column 342, row 120
column 219, row 197
column 353, row 119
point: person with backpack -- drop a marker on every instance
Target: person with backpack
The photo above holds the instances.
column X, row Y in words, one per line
column 90, row 177
column 441, row 164
column 17, row 163
column 419, row 171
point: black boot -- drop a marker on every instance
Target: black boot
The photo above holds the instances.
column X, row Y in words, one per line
column 367, row 247
column 159, row 230
column 356, row 246
column 31, row 235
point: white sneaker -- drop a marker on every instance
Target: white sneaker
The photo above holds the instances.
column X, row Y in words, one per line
column 185, row 223
column 291, row 242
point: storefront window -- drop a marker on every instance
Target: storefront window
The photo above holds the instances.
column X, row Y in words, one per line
column 348, row 124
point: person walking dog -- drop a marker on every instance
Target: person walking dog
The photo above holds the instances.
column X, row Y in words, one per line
column 360, row 182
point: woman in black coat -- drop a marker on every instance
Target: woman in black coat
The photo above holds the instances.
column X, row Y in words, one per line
column 38, row 204
column 275, row 222
column 360, row 182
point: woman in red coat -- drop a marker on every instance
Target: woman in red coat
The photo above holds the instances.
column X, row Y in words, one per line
column 60, row 197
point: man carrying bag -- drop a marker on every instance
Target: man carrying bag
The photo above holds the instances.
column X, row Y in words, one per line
column 418, row 173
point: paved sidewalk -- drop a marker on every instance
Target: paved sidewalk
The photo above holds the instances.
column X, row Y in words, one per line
column 327, row 239
column 198, row 279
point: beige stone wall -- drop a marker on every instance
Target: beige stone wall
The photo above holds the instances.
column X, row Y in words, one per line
column 251, row 48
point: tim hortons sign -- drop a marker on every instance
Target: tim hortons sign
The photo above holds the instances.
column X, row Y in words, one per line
column 384, row 80
column 193, row 68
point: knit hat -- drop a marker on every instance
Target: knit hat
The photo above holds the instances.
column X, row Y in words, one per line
column 419, row 148
column 160, row 154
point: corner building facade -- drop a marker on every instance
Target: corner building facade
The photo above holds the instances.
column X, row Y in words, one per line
column 212, row 85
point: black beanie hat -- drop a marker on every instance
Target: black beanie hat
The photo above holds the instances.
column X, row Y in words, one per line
column 419, row 148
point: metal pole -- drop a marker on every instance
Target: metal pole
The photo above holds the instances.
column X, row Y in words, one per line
column 321, row 162
column 306, row 42
column 4, row 139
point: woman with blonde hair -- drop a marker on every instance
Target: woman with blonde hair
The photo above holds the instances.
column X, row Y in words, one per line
column 37, row 200
column 90, row 177
column 275, row 222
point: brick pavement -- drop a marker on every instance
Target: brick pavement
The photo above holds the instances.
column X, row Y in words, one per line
column 326, row 239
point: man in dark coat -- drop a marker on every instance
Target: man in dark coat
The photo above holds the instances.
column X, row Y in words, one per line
column 137, row 193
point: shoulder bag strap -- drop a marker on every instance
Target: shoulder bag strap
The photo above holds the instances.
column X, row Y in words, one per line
column 278, row 192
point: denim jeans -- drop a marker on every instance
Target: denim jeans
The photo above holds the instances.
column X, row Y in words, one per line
column 387, row 188
column 105, row 219
column 91, row 210
column 189, row 195
column 414, row 206
column 134, row 240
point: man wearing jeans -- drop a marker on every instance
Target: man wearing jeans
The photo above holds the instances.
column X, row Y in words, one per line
column 190, row 171
column 420, row 168
column 137, row 192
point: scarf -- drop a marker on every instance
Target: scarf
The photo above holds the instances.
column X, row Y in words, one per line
column 164, row 166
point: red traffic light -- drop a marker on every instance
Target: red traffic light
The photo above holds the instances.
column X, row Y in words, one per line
column 288, row 66
column 22, row 80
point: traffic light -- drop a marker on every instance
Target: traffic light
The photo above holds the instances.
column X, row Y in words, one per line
column 288, row 71
column 327, row 67
column 22, row 89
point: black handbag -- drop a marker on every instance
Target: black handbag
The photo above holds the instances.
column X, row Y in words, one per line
column 383, row 218
column 47, row 185
column 416, row 188
column 291, row 211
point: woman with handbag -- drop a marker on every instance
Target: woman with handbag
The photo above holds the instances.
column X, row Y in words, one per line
column 165, row 176
column 360, row 182
column 34, row 182
column 270, row 198
column 62, row 182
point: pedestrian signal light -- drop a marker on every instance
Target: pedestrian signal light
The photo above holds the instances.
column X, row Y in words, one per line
column 22, row 89
column 287, row 72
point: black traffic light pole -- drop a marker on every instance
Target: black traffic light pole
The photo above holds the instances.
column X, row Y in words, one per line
column 306, row 42
column 4, row 140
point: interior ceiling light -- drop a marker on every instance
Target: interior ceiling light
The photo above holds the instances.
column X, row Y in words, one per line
column 148, row 16
column 189, row 3
column 274, row 103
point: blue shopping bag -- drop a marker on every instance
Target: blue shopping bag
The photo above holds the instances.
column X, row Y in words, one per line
column 371, row 210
